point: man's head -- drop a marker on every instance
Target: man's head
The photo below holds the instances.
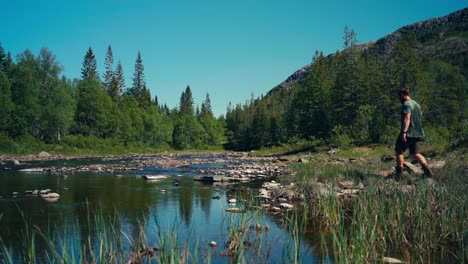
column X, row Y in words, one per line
column 403, row 93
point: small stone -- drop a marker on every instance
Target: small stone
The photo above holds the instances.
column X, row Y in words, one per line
column 213, row 244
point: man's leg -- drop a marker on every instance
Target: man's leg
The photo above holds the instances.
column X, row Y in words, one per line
column 400, row 160
column 400, row 148
column 420, row 158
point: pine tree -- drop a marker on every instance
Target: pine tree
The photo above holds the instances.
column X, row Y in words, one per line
column 119, row 76
column 89, row 70
column 138, row 78
column 109, row 73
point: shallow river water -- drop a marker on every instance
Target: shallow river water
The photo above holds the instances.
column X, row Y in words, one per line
column 176, row 205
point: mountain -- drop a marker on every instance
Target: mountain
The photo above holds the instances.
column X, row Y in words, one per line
column 443, row 38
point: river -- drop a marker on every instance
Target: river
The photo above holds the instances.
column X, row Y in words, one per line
column 195, row 211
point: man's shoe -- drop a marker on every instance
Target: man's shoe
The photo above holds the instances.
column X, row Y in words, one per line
column 398, row 174
column 427, row 171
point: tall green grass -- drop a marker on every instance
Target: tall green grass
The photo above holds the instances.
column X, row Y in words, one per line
column 427, row 223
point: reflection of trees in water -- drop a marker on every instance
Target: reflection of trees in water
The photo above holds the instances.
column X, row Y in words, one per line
column 204, row 194
column 186, row 200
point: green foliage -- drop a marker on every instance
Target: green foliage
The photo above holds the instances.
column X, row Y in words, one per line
column 187, row 132
column 341, row 137
column 7, row 106
column 96, row 113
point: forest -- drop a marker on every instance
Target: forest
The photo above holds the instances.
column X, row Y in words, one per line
column 41, row 106
column 348, row 98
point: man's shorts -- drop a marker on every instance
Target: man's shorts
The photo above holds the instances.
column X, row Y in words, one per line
column 411, row 143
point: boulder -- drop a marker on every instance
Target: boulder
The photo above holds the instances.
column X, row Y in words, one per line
column 412, row 168
column 437, row 165
column 43, row 154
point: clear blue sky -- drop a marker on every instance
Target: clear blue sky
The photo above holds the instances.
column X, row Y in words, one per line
column 229, row 49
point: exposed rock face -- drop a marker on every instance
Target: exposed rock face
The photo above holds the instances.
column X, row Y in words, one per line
column 439, row 26
column 295, row 77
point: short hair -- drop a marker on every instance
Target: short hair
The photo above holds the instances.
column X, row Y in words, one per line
column 404, row 90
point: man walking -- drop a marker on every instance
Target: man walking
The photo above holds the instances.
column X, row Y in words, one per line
column 410, row 134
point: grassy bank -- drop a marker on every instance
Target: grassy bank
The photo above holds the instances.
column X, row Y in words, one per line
column 426, row 221
column 80, row 145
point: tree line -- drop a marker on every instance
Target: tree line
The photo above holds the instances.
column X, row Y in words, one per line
column 349, row 97
column 38, row 103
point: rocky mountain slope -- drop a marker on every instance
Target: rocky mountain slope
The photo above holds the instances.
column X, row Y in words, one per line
column 443, row 38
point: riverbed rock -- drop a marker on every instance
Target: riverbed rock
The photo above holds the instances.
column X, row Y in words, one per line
column 271, row 185
column 235, row 210
column 275, row 209
column 16, row 162
column 32, row 170
column 232, row 201
column 154, row 177
column 50, row 197
column 346, row 184
column 263, row 193
column 286, row 206
column 391, row 260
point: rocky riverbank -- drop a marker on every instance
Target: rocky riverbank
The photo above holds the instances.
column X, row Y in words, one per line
column 226, row 166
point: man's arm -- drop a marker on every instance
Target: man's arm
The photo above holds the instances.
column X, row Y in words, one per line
column 406, row 124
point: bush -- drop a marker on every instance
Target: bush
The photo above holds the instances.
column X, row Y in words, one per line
column 341, row 137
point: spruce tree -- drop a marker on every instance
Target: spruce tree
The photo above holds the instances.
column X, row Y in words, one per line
column 109, row 73
column 119, row 76
column 138, row 78
column 186, row 102
column 89, row 70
